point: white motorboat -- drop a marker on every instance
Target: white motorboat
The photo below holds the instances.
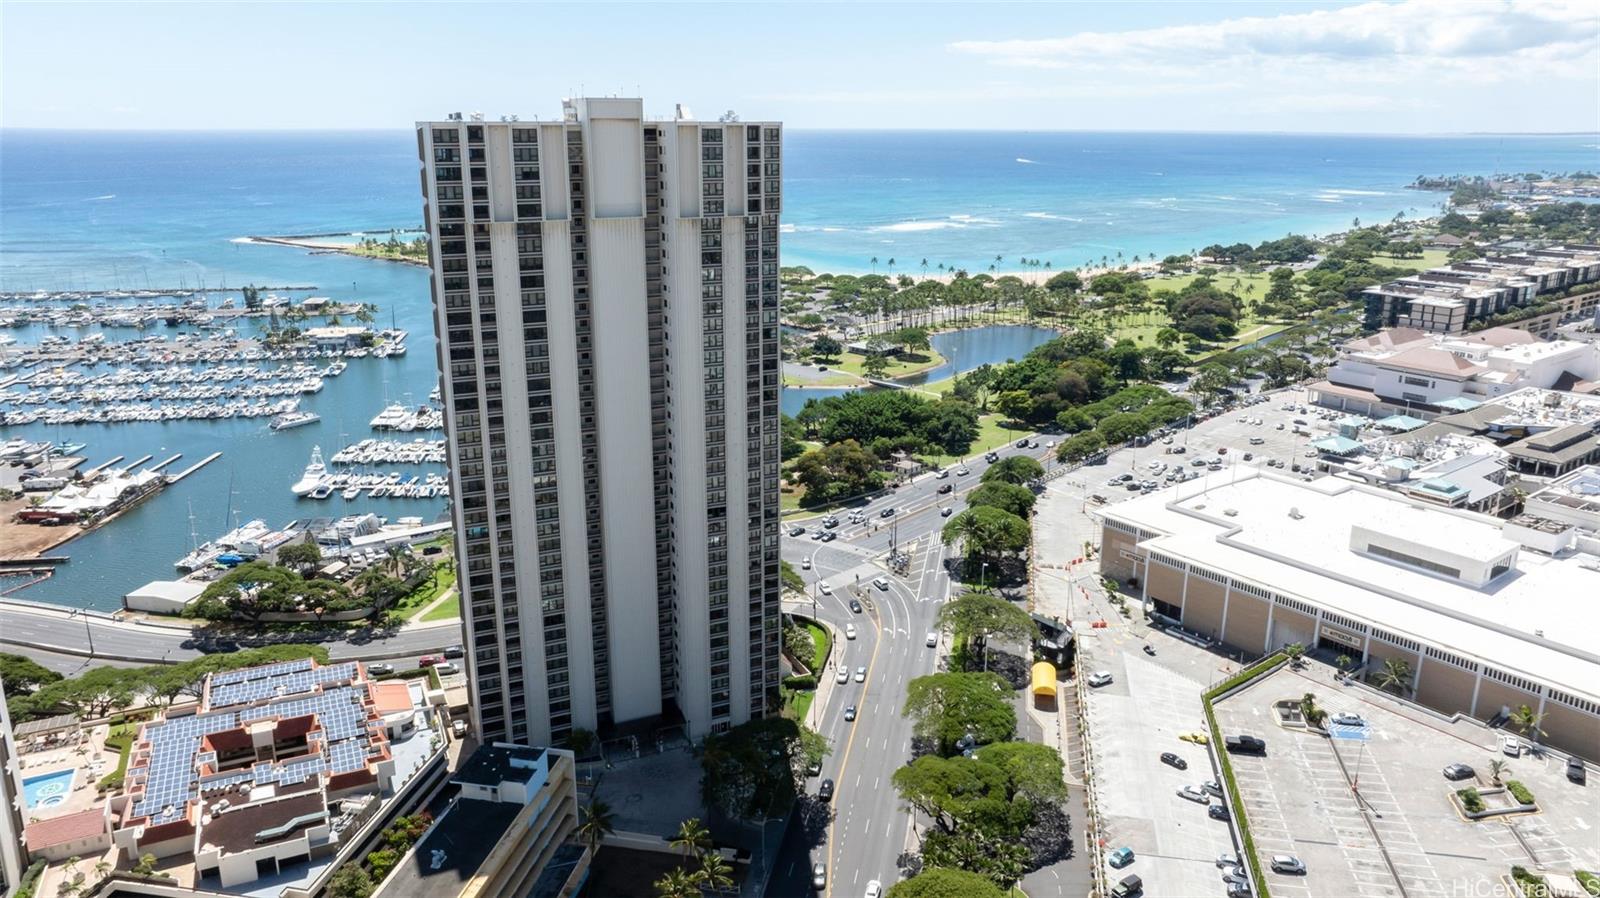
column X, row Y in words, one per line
column 314, row 473
column 294, row 419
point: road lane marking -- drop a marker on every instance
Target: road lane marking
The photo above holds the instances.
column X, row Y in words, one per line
column 844, row 762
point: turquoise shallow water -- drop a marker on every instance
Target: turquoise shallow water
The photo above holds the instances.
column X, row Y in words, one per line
column 101, row 210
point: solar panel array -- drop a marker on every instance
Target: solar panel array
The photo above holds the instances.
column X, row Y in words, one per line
column 286, row 678
column 170, row 780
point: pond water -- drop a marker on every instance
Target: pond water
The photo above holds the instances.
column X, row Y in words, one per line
column 963, row 351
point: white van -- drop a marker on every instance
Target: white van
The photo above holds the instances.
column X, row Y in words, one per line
column 825, row 589
column 881, row 583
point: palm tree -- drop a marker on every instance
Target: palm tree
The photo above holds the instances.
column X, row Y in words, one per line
column 595, row 822
column 874, row 264
column 1527, row 721
column 692, row 837
column 1294, row 651
column 924, row 266
column 1396, row 675
column 891, row 263
column 677, row 884
column 714, row 872
column 1497, row 767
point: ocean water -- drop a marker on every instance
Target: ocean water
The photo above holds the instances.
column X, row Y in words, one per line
column 133, row 210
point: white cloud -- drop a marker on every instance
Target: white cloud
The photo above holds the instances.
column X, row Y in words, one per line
column 1442, row 32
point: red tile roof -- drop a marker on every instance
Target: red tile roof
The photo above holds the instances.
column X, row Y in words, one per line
column 66, row 828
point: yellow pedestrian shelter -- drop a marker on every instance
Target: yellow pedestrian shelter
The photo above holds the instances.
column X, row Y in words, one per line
column 1044, row 680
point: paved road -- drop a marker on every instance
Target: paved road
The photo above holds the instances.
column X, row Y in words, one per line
column 869, row 829
column 48, row 632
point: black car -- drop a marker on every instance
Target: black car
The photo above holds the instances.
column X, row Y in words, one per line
column 1173, row 760
column 1576, row 771
column 825, row 791
column 886, row 513
column 945, row 488
column 1217, row 812
column 1245, row 744
column 454, row 651
column 855, row 605
column 1459, row 772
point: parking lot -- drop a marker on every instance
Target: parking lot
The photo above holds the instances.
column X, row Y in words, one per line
column 1402, row 829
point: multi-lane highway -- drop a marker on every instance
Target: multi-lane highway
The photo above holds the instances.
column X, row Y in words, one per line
column 862, row 833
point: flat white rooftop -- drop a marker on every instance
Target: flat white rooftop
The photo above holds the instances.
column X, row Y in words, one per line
column 1245, row 528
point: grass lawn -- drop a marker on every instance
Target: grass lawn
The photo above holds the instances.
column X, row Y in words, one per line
column 428, row 590
column 899, row 366
column 990, row 436
column 120, row 738
column 449, row 609
column 819, row 639
column 800, row 702
column 829, row 378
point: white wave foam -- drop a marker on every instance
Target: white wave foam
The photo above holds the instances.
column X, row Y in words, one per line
column 953, row 221
column 786, row 229
column 1050, row 216
column 242, row 240
column 95, row 199
column 1026, row 161
column 1328, row 198
column 1341, row 192
column 830, row 230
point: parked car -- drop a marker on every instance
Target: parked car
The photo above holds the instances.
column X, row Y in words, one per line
column 849, row 712
column 1121, row 857
column 1288, row 863
column 1217, row 812
column 1100, row 678
column 1576, row 772
column 1213, row 787
column 380, row 669
column 1510, row 746
column 1459, row 772
column 445, row 668
column 1128, row 886
column 819, row 877
column 430, row 660
column 1195, row 794
column 825, row 791
column 1173, row 760
column 454, row 651
column 1347, row 719
column 1228, row 859
column 1245, row 744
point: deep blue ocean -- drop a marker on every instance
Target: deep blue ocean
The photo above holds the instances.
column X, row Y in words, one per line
column 99, row 210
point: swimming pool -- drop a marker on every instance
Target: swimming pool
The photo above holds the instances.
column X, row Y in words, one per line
column 48, row 790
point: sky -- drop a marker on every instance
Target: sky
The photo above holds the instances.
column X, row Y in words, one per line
column 1409, row 66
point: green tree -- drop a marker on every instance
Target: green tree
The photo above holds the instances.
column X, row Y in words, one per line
column 988, row 533
column 1033, row 771
column 595, row 822
column 1017, row 469
column 1017, row 500
column 979, row 614
column 678, row 883
column 352, row 881
column 692, row 838
column 1067, row 283
column 1497, row 768
column 943, row 707
column 300, row 557
column 753, row 771
column 1396, row 675
column 23, row 675
column 827, row 347
column 1080, row 446
column 714, row 872
column 942, row 882
column 1016, row 405
column 1166, row 338
column 914, row 338
column 836, row 471
column 875, row 364
column 1527, row 721
column 1294, row 651
column 791, row 578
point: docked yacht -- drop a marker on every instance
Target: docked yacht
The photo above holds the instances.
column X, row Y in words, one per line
column 313, row 476
column 244, row 540
column 294, row 419
column 393, row 415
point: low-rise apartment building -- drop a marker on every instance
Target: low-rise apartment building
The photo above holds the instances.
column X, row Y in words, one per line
column 1471, row 614
column 1448, row 299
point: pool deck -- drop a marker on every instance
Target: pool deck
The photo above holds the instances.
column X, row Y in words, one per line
column 87, row 758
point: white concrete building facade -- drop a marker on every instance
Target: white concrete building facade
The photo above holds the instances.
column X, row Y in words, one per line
column 606, row 298
column 13, row 853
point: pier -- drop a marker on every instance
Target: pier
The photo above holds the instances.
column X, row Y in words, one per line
column 174, row 478
column 170, row 461
column 102, row 466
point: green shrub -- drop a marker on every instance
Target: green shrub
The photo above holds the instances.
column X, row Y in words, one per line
column 1531, row 885
column 1470, row 800
column 1519, row 792
column 30, row 878
column 1589, row 881
column 411, row 674
column 801, row 682
column 1244, row 676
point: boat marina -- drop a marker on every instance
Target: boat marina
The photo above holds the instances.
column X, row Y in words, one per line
column 291, row 420
column 316, row 482
column 396, row 416
column 383, row 452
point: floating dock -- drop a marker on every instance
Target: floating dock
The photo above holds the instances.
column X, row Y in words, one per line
column 174, row 478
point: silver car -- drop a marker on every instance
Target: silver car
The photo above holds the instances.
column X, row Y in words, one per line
column 861, row 675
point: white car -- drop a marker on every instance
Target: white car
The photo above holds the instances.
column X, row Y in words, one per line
column 1194, row 793
column 849, row 631
column 824, row 588
column 933, row 639
column 805, row 563
column 843, row 677
column 962, row 471
column 874, row 889
column 942, row 475
column 861, row 675
column 1100, row 678
column 1288, row 863
column 1511, row 746
column 1347, row 719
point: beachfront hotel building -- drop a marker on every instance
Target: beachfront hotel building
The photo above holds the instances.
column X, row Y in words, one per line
column 1488, row 615
column 1451, row 298
column 605, row 292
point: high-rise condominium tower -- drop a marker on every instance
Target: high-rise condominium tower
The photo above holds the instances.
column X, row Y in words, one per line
column 605, row 292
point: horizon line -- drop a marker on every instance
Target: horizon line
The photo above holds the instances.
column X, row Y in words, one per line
column 1263, row 132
